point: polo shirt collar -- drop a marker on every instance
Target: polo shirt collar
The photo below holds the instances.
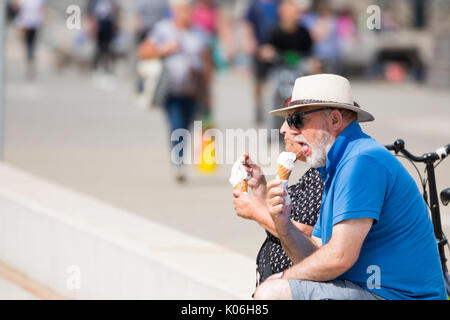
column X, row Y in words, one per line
column 351, row 132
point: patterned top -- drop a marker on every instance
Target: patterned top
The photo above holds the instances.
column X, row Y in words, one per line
column 306, row 198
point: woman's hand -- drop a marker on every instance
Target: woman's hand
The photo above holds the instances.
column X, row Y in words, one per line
column 247, row 206
column 257, row 182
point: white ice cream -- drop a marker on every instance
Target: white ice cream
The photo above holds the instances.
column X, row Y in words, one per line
column 238, row 173
column 287, row 159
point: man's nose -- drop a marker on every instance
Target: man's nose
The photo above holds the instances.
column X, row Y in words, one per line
column 284, row 127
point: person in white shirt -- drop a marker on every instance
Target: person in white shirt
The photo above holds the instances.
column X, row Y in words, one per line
column 30, row 17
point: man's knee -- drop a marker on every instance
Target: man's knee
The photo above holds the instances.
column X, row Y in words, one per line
column 273, row 290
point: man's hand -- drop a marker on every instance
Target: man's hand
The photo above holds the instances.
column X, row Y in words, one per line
column 275, row 203
column 275, row 276
column 246, row 206
column 257, row 182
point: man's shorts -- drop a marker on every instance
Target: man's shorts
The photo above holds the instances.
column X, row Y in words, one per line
column 331, row 290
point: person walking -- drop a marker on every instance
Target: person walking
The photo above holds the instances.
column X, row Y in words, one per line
column 185, row 54
column 103, row 18
column 260, row 19
column 30, row 18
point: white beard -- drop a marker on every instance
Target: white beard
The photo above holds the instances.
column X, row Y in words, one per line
column 319, row 150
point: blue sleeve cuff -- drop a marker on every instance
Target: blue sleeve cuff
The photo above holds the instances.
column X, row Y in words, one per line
column 356, row 215
column 316, row 233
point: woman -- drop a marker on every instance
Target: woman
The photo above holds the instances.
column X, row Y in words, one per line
column 186, row 57
column 306, row 198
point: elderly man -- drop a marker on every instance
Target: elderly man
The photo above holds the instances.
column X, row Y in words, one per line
column 373, row 238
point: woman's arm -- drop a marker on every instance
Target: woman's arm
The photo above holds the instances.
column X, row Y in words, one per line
column 148, row 50
column 250, row 207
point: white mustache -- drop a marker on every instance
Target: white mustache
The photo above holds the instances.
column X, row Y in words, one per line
column 300, row 139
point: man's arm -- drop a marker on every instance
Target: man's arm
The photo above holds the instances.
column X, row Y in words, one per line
column 296, row 244
column 337, row 256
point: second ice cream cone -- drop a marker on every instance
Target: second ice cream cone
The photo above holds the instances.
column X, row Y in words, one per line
column 241, row 186
column 283, row 173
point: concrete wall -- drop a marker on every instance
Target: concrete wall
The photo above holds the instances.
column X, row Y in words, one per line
column 84, row 249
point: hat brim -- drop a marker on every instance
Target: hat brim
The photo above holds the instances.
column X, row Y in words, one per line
column 363, row 116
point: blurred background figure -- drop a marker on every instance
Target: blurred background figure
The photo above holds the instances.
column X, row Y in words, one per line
column 29, row 18
column 186, row 56
column 288, row 49
column 11, row 10
column 148, row 13
column 208, row 17
column 103, row 21
column 261, row 17
column 323, row 25
column 205, row 16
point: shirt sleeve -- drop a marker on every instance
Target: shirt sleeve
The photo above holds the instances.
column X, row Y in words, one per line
column 316, row 231
column 250, row 14
column 360, row 189
column 158, row 35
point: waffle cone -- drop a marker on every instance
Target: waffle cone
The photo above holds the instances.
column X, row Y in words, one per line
column 283, row 173
column 241, row 186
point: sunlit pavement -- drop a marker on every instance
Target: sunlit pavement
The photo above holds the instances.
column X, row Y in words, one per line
column 11, row 291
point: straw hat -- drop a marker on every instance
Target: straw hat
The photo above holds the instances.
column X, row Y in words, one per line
column 323, row 90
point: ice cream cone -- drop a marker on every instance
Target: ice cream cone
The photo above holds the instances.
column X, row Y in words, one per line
column 283, row 173
column 241, row 186
column 238, row 178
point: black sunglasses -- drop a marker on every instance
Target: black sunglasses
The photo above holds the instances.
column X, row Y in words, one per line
column 297, row 120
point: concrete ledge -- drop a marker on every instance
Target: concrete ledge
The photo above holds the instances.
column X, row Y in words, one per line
column 84, row 249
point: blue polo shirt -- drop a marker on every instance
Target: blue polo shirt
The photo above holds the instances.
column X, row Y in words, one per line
column 399, row 258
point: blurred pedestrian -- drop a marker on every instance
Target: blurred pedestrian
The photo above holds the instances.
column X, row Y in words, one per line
column 261, row 17
column 30, row 18
column 207, row 17
column 288, row 36
column 288, row 47
column 149, row 12
column 185, row 53
column 11, row 11
column 323, row 25
column 103, row 19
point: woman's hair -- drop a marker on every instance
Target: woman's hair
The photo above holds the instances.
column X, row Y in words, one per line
column 287, row 102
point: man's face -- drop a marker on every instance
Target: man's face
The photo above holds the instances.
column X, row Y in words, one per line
column 183, row 13
column 292, row 146
column 314, row 138
column 289, row 12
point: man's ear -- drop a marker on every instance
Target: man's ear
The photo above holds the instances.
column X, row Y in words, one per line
column 336, row 120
